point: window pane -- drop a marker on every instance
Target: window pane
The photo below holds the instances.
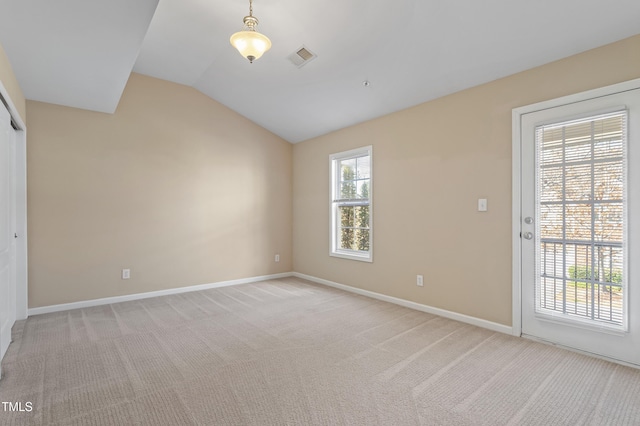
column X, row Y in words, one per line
column 608, row 184
column 551, row 154
column 348, row 169
column 551, row 184
column 348, row 190
column 608, row 137
column 362, row 239
column 363, row 188
column 578, row 151
column 578, row 222
column 551, row 221
column 608, row 222
column 362, row 216
column 578, row 182
column 347, row 238
column 347, row 216
column 363, row 170
column 608, row 148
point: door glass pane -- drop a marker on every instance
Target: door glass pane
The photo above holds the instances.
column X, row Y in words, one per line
column 580, row 185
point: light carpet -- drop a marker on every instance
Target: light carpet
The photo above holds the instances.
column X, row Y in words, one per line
column 291, row 352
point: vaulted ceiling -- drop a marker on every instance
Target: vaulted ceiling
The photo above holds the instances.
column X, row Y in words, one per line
column 80, row 53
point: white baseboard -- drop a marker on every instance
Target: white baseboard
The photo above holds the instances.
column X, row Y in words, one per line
column 402, row 302
column 137, row 296
column 494, row 326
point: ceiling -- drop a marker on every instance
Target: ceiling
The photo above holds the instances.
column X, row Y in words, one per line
column 80, row 53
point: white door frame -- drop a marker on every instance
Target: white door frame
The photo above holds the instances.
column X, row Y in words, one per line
column 21, row 206
column 516, row 218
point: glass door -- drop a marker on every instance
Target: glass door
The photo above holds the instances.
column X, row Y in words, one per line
column 578, row 232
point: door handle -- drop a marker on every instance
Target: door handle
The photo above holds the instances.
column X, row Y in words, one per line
column 528, row 220
column 527, row 235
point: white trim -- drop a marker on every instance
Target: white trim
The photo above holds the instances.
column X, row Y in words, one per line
column 516, row 208
column 345, row 255
column 147, row 295
column 494, row 326
column 350, row 153
column 22, row 278
column 15, row 114
column 516, row 118
column 21, row 207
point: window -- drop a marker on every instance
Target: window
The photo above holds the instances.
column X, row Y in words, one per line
column 351, row 207
column 581, row 209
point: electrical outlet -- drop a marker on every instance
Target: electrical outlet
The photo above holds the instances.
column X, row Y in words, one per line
column 419, row 281
column 126, row 274
column 277, row 258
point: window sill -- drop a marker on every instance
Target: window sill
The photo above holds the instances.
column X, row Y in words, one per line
column 353, row 256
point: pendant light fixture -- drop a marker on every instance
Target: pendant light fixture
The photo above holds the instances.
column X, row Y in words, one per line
column 249, row 42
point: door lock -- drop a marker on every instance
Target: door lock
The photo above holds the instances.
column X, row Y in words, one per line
column 528, row 220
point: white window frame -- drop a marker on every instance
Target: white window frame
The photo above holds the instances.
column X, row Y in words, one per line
column 334, row 181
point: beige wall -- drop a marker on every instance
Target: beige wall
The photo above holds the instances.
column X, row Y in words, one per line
column 431, row 164
column 8, row 79
column 174, row 185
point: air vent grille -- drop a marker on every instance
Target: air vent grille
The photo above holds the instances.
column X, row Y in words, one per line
column 302, row 56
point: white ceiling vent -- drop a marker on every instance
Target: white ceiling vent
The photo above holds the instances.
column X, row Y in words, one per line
column 302, row 56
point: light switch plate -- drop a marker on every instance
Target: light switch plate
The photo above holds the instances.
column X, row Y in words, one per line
column 482, row 204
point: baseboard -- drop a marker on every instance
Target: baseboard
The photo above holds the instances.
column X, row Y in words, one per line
column 494, row 326
column 402, row 302
column 138, row 296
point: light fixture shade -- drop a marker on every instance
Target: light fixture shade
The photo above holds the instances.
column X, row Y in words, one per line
column 250, row 44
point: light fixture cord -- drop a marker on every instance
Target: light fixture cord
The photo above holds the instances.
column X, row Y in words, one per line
column 250, row 7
